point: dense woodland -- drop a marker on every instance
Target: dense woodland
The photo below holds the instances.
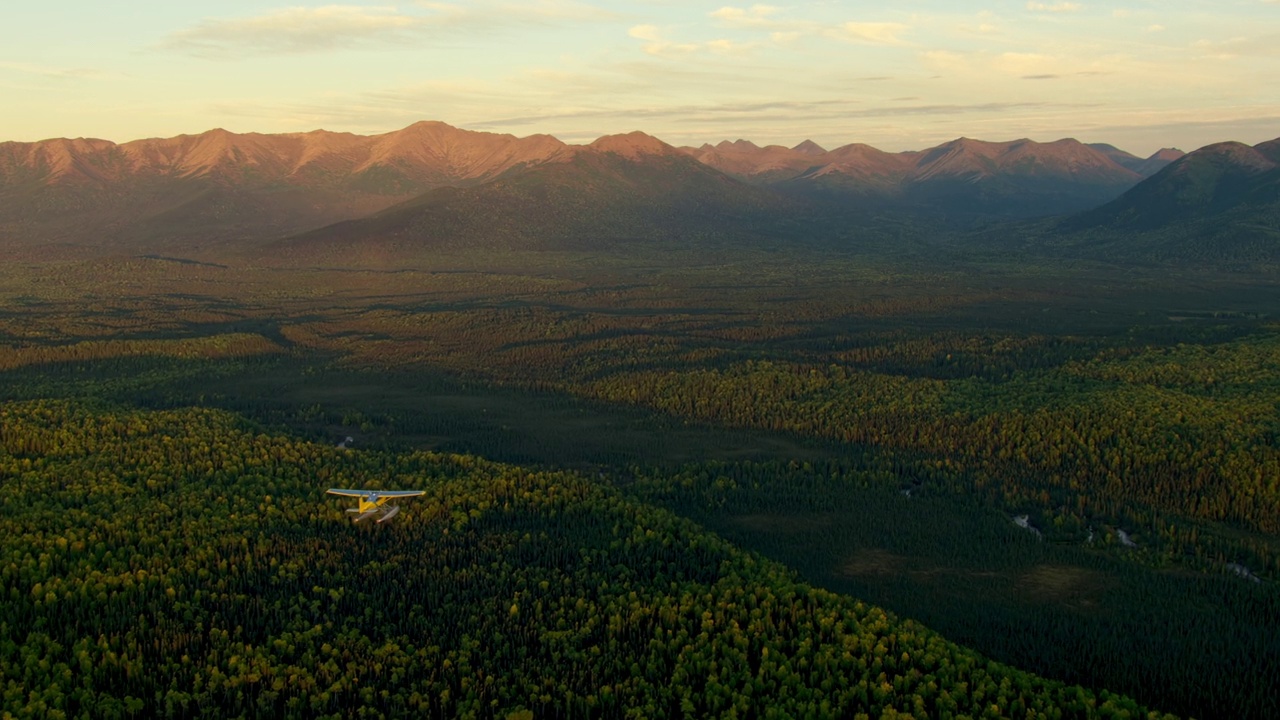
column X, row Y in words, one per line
column 182, row 564
column 638, row 479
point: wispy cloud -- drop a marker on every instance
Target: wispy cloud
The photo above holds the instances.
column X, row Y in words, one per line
column 1257, row 46
column 375, row 105
column 541, row 10
column 298, row 30
column 945, row 60
column 984, row 26
column 1057, row 7
column 1026, row 64
column 756, row 16
column 730, row 47
column 1021, row 65
column 655, row 44
column 876, row 33
column 783, row 30
column 55, row 73
column 739, row 112
column 1143, row 131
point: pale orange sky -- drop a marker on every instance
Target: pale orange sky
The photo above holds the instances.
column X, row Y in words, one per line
column 904, row 75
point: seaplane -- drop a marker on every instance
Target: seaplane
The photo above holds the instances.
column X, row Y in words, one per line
column 373, row 502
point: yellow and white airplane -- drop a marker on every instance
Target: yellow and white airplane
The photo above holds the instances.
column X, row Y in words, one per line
column 372, row 502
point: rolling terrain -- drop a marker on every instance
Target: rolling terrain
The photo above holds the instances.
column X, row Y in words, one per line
column 712, row 432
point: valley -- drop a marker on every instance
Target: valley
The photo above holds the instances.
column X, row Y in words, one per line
column 696, row 442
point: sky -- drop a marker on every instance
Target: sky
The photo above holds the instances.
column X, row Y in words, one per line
column 897, row 75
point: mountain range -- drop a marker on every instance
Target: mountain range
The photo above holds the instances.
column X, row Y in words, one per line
column 434, row 185
column 619, row 190
column 1021, row 178
column 220, row 184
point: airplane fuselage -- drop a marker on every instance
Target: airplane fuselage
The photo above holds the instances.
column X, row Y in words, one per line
column 372, row 502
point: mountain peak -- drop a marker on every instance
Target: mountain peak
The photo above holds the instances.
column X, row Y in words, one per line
column 59, row 158
column 1157, row 162
column 1237, row 155
column 428, row 125
column 1111, row 150
column 632, row 145
column 1146, row 167
column 1269, row 149
column 809, row 147
column 431, row 152
column 739, row 145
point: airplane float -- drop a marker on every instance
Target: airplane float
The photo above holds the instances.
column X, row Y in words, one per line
column 372, row 502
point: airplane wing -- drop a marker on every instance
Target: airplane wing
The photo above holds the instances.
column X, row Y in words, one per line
column 349, row 493
column 380, row 493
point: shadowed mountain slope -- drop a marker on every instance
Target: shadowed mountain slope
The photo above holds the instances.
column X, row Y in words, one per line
column 1146, row 167
column 1015, row 179
column 618, row 190
column 1219, row 203
column 961, row 178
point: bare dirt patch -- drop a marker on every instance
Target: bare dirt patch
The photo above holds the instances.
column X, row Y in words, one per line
column 873, row 562
column 1065, row 585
